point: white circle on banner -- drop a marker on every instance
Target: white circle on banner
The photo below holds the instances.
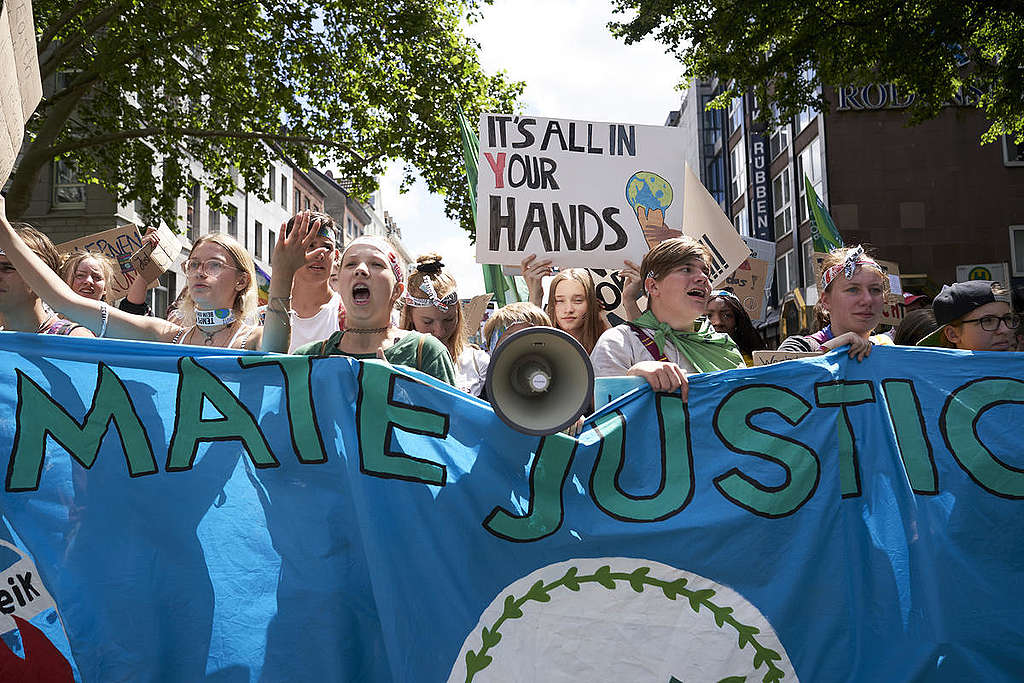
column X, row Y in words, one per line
column 620, row 619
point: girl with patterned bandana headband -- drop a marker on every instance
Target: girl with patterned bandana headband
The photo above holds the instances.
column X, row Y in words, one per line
column 432, row 306
column 852, row 292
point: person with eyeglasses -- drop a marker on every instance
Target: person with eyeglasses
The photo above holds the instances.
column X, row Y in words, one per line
column 220, row 301
column 974, row 316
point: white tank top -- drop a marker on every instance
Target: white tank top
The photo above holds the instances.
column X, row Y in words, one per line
column 317, row 327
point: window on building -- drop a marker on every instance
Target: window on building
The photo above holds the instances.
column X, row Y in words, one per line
column 714, row 179
column 741, row 223
column 284, row 192
column 232, row 215
column 350, row 229
column 307, row 203
column 807, row 251
column 787, row 273
column 712, row 121
column 781, row 198
column 271, row 184
column 214, row 225
column 808, row 163
column 297, row 202
column 257, row 241
column 738, row 178
column 779, row 141
column 271, row 238
column 735, row 114
column 805, row 116
column 192, row 211
column 1013, row 154
column 1017, row 249
column 68, row 193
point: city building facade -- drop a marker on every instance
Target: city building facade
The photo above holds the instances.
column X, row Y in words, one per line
column 929, row 197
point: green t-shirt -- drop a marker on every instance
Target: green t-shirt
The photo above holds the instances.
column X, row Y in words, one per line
column 434, row 358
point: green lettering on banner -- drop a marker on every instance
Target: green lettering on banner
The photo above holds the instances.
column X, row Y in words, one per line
column 732, row 425
column 196, row 383
column 39, row 416
column 842, row 394
column 305, row 432
column 911, row 435
column 959, row 425
column 548, row 473
column 378, row 414
column 676, row 488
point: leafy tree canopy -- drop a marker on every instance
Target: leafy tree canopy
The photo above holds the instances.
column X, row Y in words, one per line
column 784, row 50
column 141, row 86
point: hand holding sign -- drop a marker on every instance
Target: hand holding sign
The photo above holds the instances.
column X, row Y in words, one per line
column 534, row 271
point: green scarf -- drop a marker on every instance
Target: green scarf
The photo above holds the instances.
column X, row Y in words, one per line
column 706, row 349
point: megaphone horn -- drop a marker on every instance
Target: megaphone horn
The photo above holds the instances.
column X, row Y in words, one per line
column 540, row 381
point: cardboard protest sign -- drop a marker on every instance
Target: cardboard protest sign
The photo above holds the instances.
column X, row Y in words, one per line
column 752, row 281
column 152, row 260
column 20, row 86
column 119, row 244
column 473, row 312
column 609, row 292
column 772, row 357
column 588, row 194
column 704, row 221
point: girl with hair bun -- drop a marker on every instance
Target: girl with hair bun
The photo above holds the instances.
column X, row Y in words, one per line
column 432, row 307
column 853, row 288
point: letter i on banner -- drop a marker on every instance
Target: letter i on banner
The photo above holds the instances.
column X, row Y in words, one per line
column 704, row 221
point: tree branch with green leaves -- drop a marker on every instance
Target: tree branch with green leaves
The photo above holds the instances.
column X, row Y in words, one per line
column 135, row 90
column 784, row 51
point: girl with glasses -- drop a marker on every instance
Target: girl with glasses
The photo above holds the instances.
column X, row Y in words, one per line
column 974, row 316
column 221, row 294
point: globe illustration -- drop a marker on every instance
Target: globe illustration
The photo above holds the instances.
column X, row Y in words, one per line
column 649, row 190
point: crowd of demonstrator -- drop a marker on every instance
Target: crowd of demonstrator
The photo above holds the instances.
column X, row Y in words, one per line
column 324, row 300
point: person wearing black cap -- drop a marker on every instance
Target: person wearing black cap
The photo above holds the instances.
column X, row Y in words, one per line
column 973, row 316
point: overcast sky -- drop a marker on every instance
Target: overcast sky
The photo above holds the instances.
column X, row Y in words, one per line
column 573, row 68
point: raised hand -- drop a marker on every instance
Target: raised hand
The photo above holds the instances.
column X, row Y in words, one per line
column 533, row 272
column 290, row 249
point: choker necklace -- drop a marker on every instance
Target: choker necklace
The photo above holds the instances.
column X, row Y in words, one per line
column 217, row 316
column 364, row 330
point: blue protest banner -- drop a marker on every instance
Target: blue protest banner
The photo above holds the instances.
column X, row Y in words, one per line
column 200, row 515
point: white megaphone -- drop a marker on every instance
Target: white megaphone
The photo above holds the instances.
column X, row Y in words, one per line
column 540, row 380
